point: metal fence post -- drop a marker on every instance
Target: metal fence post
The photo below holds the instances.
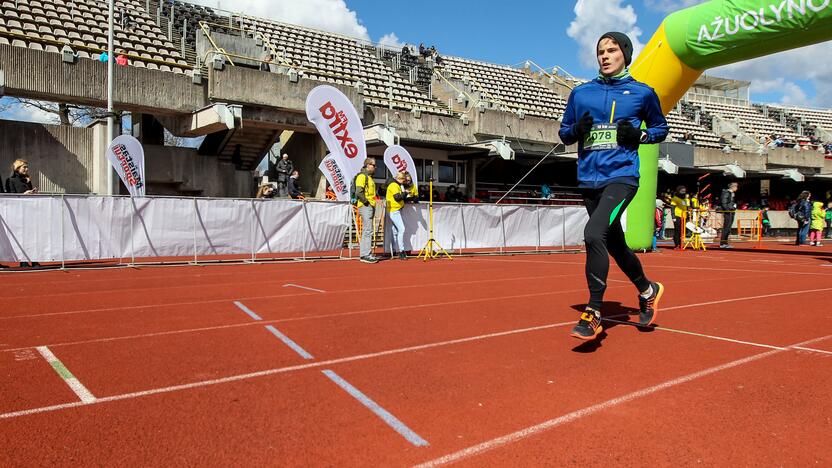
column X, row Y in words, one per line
column 563, row 227
column 132, row 232
column 503, row 228
column 253, row 231
column 196, row 209
column 305, row 223
column 462, row 221
column 63, row 248
column 537, row 212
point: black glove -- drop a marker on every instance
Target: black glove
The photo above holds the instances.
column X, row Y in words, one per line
column 583, row 126
column 628, row 135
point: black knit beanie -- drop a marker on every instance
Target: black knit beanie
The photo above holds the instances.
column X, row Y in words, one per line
column 624, row 43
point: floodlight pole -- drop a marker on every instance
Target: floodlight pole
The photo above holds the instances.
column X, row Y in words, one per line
column 110, row 117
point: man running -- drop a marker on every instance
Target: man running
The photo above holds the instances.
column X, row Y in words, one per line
column 604, row 117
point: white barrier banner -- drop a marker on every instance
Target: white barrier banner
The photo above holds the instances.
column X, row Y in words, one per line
column 127, row 157
column 486, row 226
column 397, row 159
column 336, row 176
column 337, row 121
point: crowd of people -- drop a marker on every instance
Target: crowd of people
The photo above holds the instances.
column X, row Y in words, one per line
column 814, row 218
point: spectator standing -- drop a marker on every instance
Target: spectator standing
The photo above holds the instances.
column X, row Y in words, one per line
column 396, row 197
column 818, row 222
column 728, row 206
column 679, row 205
column 829, row 219
column 284, row 170
column 410, row 188
column 20, row 181
column 801, row 211
column 365, row 194
column 765, row 221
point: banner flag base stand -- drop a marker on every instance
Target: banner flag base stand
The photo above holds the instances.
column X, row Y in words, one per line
column 432, row 248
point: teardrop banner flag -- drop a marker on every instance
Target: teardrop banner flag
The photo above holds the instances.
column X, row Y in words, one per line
column 127, row 157
column 337, row 121
column 337, row 179
column 397, row 159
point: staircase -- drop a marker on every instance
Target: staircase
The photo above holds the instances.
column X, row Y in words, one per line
column 409, row 69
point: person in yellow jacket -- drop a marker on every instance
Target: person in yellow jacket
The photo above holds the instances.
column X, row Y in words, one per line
column 818, row 223
column 365, row 194
column 396, row 198
column 679, row 203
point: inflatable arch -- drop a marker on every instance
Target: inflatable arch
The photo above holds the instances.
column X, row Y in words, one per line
column 708, row 35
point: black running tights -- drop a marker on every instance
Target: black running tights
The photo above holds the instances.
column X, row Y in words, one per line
column 604, row 237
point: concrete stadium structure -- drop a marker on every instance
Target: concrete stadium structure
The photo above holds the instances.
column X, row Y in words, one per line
column 241, row 82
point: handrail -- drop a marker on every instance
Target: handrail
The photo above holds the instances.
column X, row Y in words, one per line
column 551, row 76
column 207, row 32
column 453, row 86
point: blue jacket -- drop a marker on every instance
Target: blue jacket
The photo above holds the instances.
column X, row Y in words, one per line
column 635, row 102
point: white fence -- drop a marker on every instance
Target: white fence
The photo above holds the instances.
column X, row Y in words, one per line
column 75, row 228
column 460, row 227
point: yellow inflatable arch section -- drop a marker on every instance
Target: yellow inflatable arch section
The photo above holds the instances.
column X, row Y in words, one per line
column 704, row 36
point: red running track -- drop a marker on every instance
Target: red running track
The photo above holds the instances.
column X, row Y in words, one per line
column 471, row 357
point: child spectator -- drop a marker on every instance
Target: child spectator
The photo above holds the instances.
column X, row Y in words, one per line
column 818, row 222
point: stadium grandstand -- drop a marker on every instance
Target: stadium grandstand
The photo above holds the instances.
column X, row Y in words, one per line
column 200, row 73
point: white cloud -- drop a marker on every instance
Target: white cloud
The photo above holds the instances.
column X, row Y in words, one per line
column 391, row 40
column 329, row 15
column 669, row 6
column 595, row 17
column 783, row 70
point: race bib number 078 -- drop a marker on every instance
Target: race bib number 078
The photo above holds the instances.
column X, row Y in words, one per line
column 601, row 137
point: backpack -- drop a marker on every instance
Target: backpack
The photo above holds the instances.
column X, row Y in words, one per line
column 353, row 196
column 796, row 213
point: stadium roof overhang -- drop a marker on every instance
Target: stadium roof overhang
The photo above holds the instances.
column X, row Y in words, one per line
column 792, row 173
column 713, row 82
column 727, row 169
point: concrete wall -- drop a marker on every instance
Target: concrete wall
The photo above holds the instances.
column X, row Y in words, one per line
column 42, row 75
column 172, row 170
column 428, row 128
column 788, row 157
column 715, row 157
column 244, row 85
column 496, row 124
column 61, row 159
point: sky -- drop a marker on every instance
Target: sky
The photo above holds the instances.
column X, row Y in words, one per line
column 549, row 32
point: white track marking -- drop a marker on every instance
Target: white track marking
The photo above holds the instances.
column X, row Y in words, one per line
column 281, row 296
column 702, row 335
column 814, row 350
column 281, row 370
column 575, row 415
column 290, row 285
column 85, row 395
column 362, row 312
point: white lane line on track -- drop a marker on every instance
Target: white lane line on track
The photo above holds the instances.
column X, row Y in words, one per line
column 290, row 285
column 85, row 395
column 395, row 423
column 363, row 312
column 590, row 410
column 280, row 370
column 245, row 309
column 282, row 296
column 288, row 342
column 813, row 350
column 702, row 335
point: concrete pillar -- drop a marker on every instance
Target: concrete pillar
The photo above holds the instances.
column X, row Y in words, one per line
column 306, row 151
column 101, row 164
